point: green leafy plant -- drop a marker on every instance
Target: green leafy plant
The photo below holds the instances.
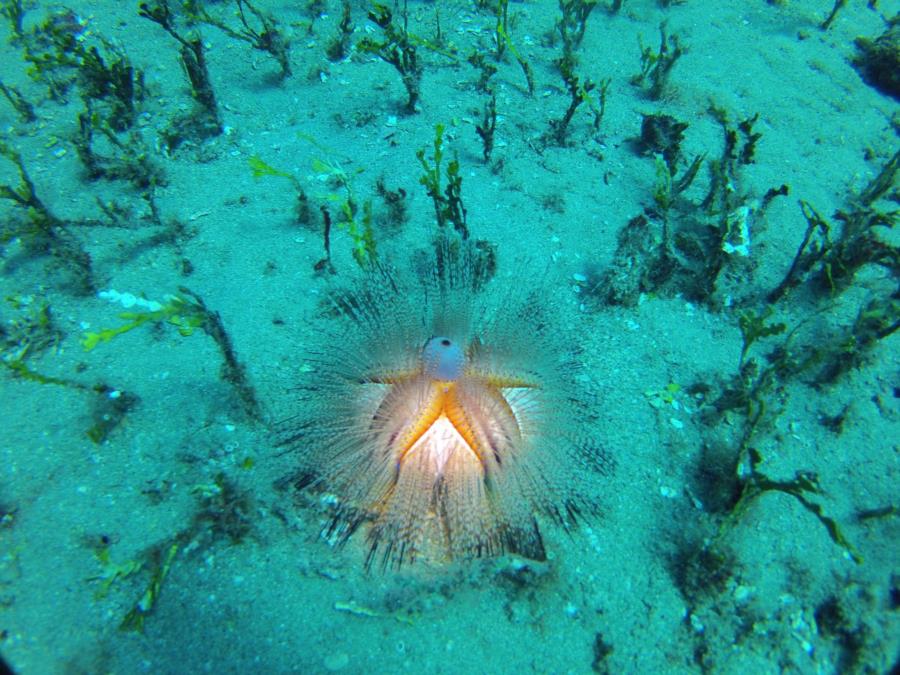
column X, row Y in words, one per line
column 738, row 150
column 397, row 49
column 830, row 255
column 14, row 12
column 657, row 66
column 266, row 38
column 177, row 311
column 579, row 93
column 486, row 69
column 501, row 30
column 203, row 122
column 803, row 487
column 753, row 327
column 876, row 320
column 61, row 51
column 19, row 102
column 573, row 23
column 667, row 396
column 503, row 34
column 223, row 512
column 187, row 312
column 32, row 331
column 111, row 572
column 40, row 229
column 364, row 250
column 261, row 169
column 337, row 48
column 134, row 619
column 124, row 158
column 342, row 197
column 447, row 199
column 663, row 193
column 832, row 15
column 51, row 48
column 487, row 128
column 704, row 246
column 599, row 108
column 110, row 83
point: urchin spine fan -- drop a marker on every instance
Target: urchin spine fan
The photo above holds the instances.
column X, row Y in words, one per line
column 447, row 413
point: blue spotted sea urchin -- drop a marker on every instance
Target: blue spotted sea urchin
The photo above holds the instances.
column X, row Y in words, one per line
column 447, row 414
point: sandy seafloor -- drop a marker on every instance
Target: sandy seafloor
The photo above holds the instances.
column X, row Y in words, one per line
column 610, row 597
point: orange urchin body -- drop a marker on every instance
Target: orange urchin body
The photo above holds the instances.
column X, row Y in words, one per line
column 468, row 412
column 447, row 418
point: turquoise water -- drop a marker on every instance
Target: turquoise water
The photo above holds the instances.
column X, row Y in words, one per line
column 664, row 261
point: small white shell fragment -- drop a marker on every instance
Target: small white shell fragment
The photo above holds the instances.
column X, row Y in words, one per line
column 738, row 241
column 667, row 492
column 697, row 624
column 742, row 592
column 337, row 661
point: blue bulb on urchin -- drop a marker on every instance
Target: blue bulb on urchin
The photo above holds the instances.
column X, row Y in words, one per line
column 448, row 415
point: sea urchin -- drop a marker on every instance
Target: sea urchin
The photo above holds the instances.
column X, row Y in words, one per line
column 447, row 414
